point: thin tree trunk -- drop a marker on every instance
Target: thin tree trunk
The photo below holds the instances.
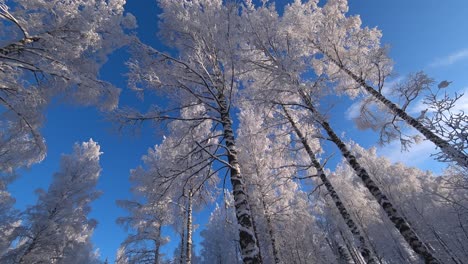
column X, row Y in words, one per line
column 247, row 239
column 343, row 252
column 344, row 256
column 400, row 223
column 456, row 155
column 254, row 225
column 188, row 253
column 182, row 239
column 363, row 247
column 271, row 232
column 367, row 237
column 157, row 246
column 354, row 257
column 444, row 245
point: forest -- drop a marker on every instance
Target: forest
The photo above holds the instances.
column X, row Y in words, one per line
column 249, row 161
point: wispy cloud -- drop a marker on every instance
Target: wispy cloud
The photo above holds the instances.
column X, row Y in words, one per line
column 450, row 59
column 418, row 156
column 353, row 111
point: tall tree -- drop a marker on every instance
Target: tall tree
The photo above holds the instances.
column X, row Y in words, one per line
column 423, row 198
column 205, row 75
column 8, row 218
column 274, row 164
column 220, row 242
column 144, row 245
column 353, row 227
column 353, row 58
column 280, row 72
column 51, row 48
column 57, row 229
column 176, row 178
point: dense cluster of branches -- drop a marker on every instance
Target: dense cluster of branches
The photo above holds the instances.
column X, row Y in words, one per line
column 275, row 70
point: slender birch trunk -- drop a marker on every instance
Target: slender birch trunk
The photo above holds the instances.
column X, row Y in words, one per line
column 355, row 257
column 247, row 238
column 444, row 245
column 271, row 232
column 367, row 237
column 344, row 254
column 254, row 225
column 456, row 155
column 182, row 239
column 400, row 223
column 157, row 246
column 188, row 252
column 363, row 247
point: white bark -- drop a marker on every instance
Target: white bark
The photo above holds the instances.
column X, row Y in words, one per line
column 456, row 155
column 363, row 247
column 419, row 246
column 188, row 247
column 247, row 239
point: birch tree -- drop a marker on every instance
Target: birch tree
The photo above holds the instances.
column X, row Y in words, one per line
column 353, row 227
column 144, row 245
column 282, row 84
column 8, row 218
column 205, row 73
column 176, row 179
column 423, row 198
column 353, row 57
column 220, row 242
column 57, row 229
column 51, row 48
column 274, row 166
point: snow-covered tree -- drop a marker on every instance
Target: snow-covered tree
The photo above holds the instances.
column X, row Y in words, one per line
column 177, row 178
column 220, row 242
column 50, row 48
column 351, row 56
column 347, row 218
column 205, row 74
column 286, row 223
column 436, row 210
column 57, row 229
column 144, row 245
column 8, row 218
column 279, row 78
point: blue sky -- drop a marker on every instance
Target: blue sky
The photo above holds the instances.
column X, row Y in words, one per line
column 425, row 35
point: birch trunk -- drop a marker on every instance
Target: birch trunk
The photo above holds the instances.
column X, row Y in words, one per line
column 344, row 255
column 157, row 246
column 188, row 252
column 400, row 223
column 271, row 232
column 355, row 257
column 254, row 225
column 182, row 240
column 456, row 155
column 247, row 238
column 363, row 247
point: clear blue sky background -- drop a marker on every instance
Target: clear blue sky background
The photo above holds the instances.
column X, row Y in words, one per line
column 428, row 35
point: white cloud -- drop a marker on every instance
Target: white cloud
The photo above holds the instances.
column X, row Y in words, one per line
column 353, row 111
column 450, row 59
column 419, row 155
